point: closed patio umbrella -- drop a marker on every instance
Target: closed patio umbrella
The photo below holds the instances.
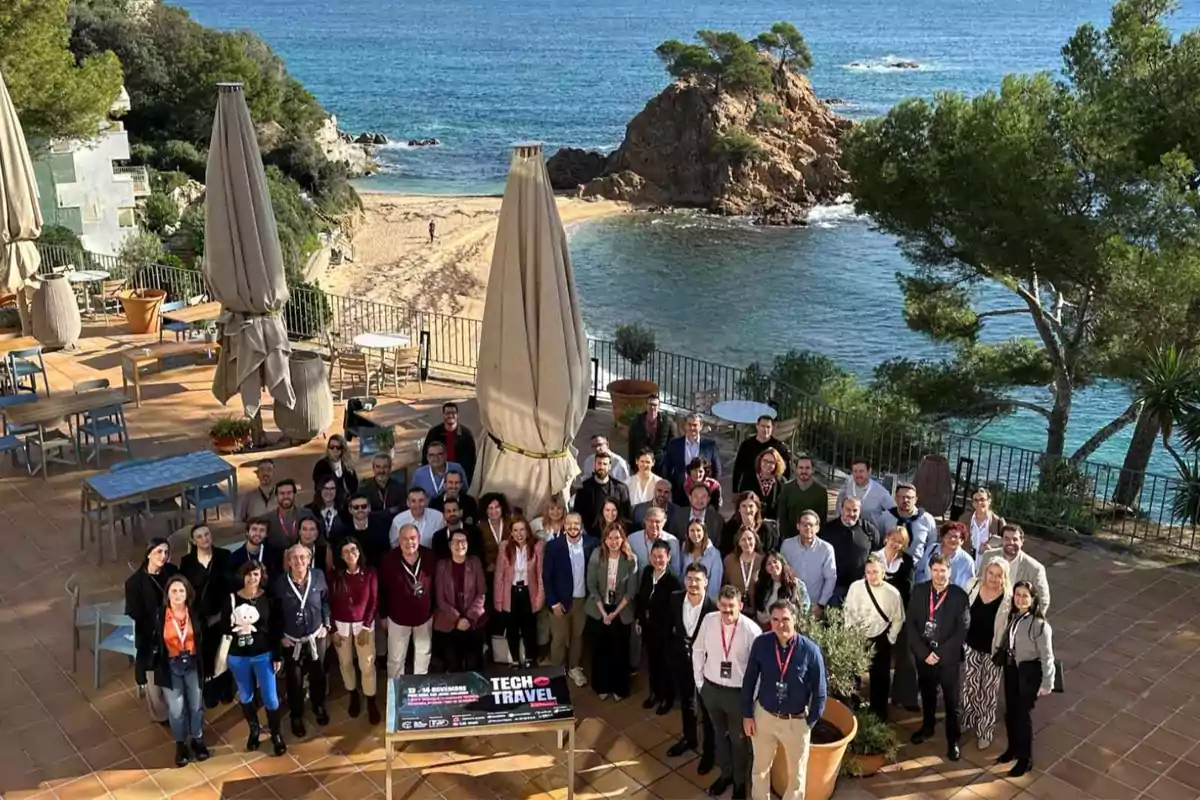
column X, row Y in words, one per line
column 533, row 375
column 243, row 262
column 20, row 215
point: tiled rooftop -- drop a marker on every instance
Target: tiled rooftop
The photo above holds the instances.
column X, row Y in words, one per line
column 1128, row 726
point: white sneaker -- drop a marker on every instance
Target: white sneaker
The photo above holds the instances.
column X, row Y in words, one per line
column 603, row 697
column 985, row 742
column 576, row 675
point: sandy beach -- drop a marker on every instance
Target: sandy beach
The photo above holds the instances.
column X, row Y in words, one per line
column 395, row 263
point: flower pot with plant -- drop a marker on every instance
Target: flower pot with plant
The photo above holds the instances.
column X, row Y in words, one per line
column 385, row 441
column 634, row 343
column 847, row 655
column 230, row 434
column 142, row 309
column 874, row 746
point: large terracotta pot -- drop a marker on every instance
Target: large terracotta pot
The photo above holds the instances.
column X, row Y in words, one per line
column 629, row 393
column 143, row 309
column 55, row 312
column 313, row 412
column 824, row 760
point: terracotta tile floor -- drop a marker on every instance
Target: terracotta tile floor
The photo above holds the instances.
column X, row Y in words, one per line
column 1128, row 633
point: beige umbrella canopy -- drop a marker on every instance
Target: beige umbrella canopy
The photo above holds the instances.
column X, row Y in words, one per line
column 533, row 363
column 243, row 262
column 20, row 215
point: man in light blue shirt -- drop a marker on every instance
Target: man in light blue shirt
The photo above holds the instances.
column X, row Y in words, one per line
column 811, row 558
column 869, row 492
column 432, row 476
column 962, row 566
column 921, row 526
column 641, row 541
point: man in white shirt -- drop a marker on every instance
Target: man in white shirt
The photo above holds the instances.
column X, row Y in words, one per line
column 619, row 468
column 719, row 659
column 920, row 524
column 868, row 491
column 564, row 578
column 426, row 520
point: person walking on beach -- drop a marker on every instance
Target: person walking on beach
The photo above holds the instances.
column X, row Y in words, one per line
column 432, row 230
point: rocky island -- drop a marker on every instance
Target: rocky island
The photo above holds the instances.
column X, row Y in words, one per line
column 739, row 132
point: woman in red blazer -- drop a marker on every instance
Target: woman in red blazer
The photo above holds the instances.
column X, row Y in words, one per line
column 518, row 591
column 458, row 622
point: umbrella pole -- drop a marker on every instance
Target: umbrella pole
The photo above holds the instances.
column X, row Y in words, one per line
column 24, row 309
column 257, row 433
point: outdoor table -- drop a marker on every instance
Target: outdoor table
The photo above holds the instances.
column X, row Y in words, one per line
column 108, row 489
column 17, row 343
column 82, row 277
column 133, row 359
column 741, row 412
column 408, row 440
column 192, row 314
column 51, row 409
column 384, row 341
column 470, row 704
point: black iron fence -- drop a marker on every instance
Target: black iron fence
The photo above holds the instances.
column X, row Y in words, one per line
column 1040, row 493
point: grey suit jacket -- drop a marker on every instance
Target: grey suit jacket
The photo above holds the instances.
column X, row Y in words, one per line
column 681, row 517
column 1026, row 568
column 628, row 576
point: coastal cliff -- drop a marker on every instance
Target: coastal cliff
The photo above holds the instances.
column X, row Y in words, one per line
column 771, row 155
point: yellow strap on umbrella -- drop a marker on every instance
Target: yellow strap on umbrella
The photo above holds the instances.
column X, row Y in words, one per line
column 512, row 448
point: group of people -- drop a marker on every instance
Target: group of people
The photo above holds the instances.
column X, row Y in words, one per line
column 638, row 561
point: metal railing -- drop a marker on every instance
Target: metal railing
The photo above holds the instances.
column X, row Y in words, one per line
column 137, row 175
column 1044, row 495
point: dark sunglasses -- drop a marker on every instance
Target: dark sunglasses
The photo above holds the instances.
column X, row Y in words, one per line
column 359, row 507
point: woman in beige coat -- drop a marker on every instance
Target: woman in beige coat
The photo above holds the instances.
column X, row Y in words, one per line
column 990, row 595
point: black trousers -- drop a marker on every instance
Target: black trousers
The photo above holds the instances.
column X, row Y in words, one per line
column 904, row 682
column 881, row 675
column 296, row 669
column 691, row 707
column 520, row 625
column 1021, row 683
column 658, row 654
column 944, row 676
column 610, row 656
column 461, row 651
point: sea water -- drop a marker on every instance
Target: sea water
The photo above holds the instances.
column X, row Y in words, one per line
column 479, row 75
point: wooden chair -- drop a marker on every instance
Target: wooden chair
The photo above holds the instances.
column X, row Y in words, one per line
column 108, row 295
column 703, row 401
column 785, row 430
column 357, row 368
column 405, row 366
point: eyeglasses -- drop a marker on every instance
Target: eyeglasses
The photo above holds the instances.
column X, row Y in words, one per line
column 335, row 447
column 359, row 507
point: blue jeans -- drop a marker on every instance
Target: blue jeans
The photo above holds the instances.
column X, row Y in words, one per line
column 251, row 670
column 185, row 705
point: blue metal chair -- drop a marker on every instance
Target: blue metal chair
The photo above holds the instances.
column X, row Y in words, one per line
column 12, row 445
column 10, row 400
column 180, row 329
column 28, row 364
column 206, row 494
column 102, row 425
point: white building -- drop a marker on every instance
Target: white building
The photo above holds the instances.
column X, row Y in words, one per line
column 83, row 189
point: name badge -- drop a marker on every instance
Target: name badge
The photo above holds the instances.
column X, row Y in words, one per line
column 417, row 589
column 781, row 690
column 185, row 660
column 930, row 630
column 612, row 598
column 727, row 670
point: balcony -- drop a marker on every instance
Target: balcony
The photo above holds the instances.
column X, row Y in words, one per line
column 136, row 175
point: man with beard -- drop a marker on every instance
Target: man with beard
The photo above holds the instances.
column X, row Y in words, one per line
column 260, row 501
column 256, row 549
column 458, row 441
column 651, row 429
column 920, row 524
column 595, row 490
column 368, row 527
column 440, row 545
column 800, row 495
column 468, row 507
column 813, row 560
column 873, row 499
column 853, row 539
column 1022, row 566
column 662, row 499
column 385, row 492
column 283, row 523
column 564, row 580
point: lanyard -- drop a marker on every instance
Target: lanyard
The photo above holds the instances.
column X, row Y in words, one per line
column 257, row 557
column 933, row 609
column 655, row 577
column 726, row 646
column 303, row 598
column 747, row 573
column 782, row 662
column 497, row 536
column 437, row 487
column 415, row 573
column 289, row 533
column 182, row 631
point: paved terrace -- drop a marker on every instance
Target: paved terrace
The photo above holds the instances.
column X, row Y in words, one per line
column 1128, row 727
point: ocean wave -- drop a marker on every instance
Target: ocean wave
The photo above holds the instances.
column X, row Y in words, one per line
column 888, row 63
column 833, row 214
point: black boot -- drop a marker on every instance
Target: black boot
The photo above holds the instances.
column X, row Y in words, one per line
column 274, row 718
column 211, row 695
column 372, row 711
column 251, row 715
column 182, row 756
column 199, row 750
column 298, row 729
column 355, row 703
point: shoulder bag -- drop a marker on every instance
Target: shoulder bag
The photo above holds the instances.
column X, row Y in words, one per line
column 221, row 665
column 886, row 619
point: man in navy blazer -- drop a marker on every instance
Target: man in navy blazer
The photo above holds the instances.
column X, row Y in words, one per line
column 564, row 579
column 682, row 449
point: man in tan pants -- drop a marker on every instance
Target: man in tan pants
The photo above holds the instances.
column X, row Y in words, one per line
column 564, row 571
column 783, row 695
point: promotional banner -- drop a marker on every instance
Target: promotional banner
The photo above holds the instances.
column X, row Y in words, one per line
column 472, row 699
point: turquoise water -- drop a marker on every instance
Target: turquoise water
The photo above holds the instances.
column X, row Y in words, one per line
column 481, row 75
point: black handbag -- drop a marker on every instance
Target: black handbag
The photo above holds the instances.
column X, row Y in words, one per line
column 1058, row 677
column 1001, row 657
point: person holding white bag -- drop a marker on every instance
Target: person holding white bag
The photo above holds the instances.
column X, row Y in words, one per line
column 252, row 654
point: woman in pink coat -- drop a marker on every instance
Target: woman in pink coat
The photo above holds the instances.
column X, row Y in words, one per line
column 458, row 620
column 518, row 590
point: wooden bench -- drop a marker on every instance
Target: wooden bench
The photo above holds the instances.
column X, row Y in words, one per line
column 133, row 359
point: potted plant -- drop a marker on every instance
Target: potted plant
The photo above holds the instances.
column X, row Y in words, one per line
column 634, row 343
column 874, row 746
column 10, row 320
column 847, row 654
column 385, row 440
column 230, row 434
column 142, row 309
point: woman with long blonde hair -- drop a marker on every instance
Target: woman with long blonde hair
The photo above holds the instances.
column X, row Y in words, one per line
column 612, row 584
column 991, row 597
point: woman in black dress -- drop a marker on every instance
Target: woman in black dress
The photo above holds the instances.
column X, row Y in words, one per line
column 145, row 596
column 209, row 571
column 337, row 464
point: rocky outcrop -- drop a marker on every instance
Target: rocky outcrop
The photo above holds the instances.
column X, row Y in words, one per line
column 371, row 137
column 572, row 167
column 430, row 142
column 340, row 146
column 771, row 157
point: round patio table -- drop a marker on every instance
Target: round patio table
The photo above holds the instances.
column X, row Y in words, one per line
column 384, row 341
column 742, row 412
column 83, row 277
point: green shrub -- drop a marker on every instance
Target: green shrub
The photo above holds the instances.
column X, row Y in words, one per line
column 230, row 428
column 634, row 343
column 1042, row 513
column 181, row 156
column 768, row 115
column 10, row 318
column 60, row 247
column 737, row 145
column 847, row 651
column 140, row 249
column 875, row 737
column 158, row 213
